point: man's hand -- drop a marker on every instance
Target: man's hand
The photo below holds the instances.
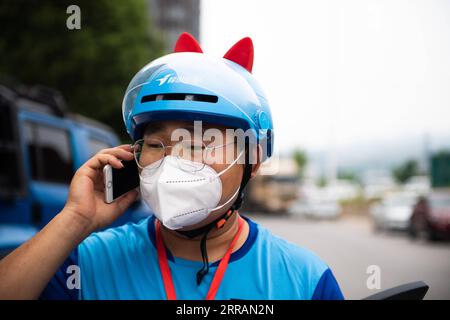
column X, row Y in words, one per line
column 25, row 272
column 86, row 194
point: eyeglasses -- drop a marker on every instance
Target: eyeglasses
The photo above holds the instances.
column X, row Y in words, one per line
column 150, row 153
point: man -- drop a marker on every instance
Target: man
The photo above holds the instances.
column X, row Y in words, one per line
column 196, row 245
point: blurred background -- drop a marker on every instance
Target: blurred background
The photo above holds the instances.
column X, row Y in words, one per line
column 358, row 91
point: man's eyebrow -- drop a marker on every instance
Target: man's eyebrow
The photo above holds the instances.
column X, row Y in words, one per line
column 189, row 127
column 153, row 128
column 157, row 128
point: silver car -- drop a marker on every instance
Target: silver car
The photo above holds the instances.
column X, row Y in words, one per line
column 393, row 212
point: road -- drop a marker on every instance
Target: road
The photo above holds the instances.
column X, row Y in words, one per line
column 349, row 246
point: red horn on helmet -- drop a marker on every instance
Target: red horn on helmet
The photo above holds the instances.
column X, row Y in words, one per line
column 242, row 53
column 187, row 43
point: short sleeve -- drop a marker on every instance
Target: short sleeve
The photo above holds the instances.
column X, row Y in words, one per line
column 327, row 288
column 57, row 288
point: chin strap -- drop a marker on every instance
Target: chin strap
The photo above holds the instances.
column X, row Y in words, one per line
column 205, row 268
column 221, row 221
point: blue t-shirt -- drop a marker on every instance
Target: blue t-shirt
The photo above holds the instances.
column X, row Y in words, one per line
column 122, row 263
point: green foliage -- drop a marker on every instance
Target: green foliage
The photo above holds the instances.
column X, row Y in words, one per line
column 91, row 66
column 405, row 171
column 323, row 182
column 301, row 160
column 348, row 175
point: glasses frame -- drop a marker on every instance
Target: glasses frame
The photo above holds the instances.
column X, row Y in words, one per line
column 207, row 148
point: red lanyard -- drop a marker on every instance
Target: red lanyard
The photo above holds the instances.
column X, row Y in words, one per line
column 165, row 270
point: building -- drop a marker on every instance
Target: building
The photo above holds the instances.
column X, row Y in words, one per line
column 172, row 17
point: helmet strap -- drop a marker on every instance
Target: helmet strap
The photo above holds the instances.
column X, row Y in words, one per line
column 221, row 221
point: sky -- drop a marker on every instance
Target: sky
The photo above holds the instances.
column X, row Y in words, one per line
column 339, row 73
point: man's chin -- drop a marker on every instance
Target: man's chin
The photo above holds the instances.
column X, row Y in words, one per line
column 211, row 217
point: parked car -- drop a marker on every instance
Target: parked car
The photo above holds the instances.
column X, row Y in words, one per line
column 317, row 208
column 393, row 212
column 273, row 193
column 41, row 146
column 431, row 216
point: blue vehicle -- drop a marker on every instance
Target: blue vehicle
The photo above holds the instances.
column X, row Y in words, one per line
column 41, row 146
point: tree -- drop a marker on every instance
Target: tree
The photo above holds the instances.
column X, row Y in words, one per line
column 91, row 66
column 405, row 171
column 323, row 182
column 348, row 175
column 300, row 159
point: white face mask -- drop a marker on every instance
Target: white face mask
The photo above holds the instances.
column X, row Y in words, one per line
column 182, row 198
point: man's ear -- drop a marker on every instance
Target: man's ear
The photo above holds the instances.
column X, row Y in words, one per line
column 257, row 154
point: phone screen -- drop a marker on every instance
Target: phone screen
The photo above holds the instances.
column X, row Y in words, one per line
column 125, row 179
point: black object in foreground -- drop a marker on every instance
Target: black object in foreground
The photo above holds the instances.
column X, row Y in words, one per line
column 410, row 291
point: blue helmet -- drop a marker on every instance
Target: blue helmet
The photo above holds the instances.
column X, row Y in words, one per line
column 190, row 85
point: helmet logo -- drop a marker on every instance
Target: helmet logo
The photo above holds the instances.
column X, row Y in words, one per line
column 167, row 78
column 172, row 78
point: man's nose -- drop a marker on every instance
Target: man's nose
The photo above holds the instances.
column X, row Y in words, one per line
column 169, row 150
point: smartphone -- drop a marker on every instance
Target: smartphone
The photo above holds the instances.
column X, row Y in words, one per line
column 120, row 181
